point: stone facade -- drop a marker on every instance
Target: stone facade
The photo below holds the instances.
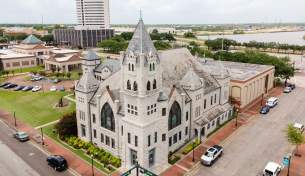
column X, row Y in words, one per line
column 148, row 103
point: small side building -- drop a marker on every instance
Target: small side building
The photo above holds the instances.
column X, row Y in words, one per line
column 10, row 60
column 249, row 82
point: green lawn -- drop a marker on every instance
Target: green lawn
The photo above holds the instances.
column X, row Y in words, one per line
column 49, row 132
column 34, row 108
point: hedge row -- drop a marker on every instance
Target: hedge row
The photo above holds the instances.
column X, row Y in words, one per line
column 100, row 154
column 190, row 146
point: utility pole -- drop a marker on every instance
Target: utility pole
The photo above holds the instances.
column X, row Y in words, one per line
column 193, row 151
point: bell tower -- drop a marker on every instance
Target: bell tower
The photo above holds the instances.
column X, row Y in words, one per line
column 142, row 124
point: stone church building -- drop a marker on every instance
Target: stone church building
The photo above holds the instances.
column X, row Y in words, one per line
column 149, row 103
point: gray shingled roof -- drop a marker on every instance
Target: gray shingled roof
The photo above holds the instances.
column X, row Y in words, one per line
column 31, row 39
column 91, row 55
column 141, row 41
column 112, row 64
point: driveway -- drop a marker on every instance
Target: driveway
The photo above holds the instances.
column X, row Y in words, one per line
column 263, row 139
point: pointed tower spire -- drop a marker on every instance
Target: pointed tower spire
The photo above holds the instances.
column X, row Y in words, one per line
column 141, row 41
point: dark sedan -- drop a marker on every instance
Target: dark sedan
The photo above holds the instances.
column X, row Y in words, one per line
column 27, row 88
column 265, row 110
column 59, row 163
column 22, row 136
column 4, row 84
column 18, row 88
column 10, row 86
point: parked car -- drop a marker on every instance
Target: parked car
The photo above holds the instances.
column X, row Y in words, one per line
column 27, row 88
column 292, row 86
column 272, row 102
column 265, row 110
column 211, row 155
column 272, row 169
column 56, row 81
column 299, row 126
column 53, row 89
column 59, row 163
column 21, row 136
column 10, row 86
column 287, row 89
column 36, row 88
column 4, row 84
column 18, row 88
column 36, row 78
column 61, row 88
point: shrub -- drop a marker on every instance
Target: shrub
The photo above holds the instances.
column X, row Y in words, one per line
column 172, row 160
column 189, row 147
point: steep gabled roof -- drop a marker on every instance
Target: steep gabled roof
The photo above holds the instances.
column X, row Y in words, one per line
column 141, row 41
column 31, row 39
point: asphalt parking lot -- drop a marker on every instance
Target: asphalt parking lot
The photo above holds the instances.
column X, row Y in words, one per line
column 263, row 139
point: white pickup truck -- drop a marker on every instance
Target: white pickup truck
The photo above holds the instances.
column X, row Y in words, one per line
column 211, row 155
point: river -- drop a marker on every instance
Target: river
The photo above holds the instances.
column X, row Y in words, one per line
column 292, row 38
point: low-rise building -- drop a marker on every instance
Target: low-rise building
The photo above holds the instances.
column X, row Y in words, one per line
column 249, row 82
column 10, row 60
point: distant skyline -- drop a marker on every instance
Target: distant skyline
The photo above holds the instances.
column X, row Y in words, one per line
column 160, row 11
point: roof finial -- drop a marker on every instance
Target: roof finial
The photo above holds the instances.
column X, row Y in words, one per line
column 141, row 15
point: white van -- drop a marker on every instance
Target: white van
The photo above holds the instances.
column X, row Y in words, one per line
column 299, row 126
column 272, row 169
column 272, row 102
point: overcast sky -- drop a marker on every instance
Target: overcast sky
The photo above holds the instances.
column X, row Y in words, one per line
column 160, row 11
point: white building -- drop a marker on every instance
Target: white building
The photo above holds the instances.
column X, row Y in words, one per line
column 148, row 104
column 93, row 14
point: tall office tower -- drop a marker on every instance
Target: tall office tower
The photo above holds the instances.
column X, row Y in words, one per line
column 93, row 25
column 93, row 14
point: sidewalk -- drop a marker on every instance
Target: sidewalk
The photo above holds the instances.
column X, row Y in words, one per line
column 297, row 164
column 75, row 163
column 186, row 163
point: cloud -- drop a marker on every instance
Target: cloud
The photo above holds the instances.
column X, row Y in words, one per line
column 160, row 11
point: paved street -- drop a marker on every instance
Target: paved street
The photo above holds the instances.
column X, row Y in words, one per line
column 24, row 159
column 263, row 139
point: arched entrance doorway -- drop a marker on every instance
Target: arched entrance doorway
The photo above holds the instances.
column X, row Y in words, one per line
column 202, row 134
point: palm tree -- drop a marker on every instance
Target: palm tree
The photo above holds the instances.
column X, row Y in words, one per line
column 294, row 137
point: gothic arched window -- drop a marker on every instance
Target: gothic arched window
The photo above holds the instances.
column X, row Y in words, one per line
column 150, row 67
column 135, row 86
column 174, row 118
column 132, row 66
column 148, row 86
column 128, row 85
column 107, row 118
column 153, row 67
column 129, row 67
column 155, row 84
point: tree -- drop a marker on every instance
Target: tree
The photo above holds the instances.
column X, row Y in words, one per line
column 127, row 35
column 68, row 75
column 113, row 45
column 160, row 45
column 3, row 40
column 294, row 137
column 155, row 31
column 189, row 35
column 47, row 38
column 67, row 126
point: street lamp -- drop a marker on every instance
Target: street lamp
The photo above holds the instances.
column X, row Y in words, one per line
column 92, row 166
column 193, row 151
column 236, row 123
column 15, row 121
column 42, row 141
